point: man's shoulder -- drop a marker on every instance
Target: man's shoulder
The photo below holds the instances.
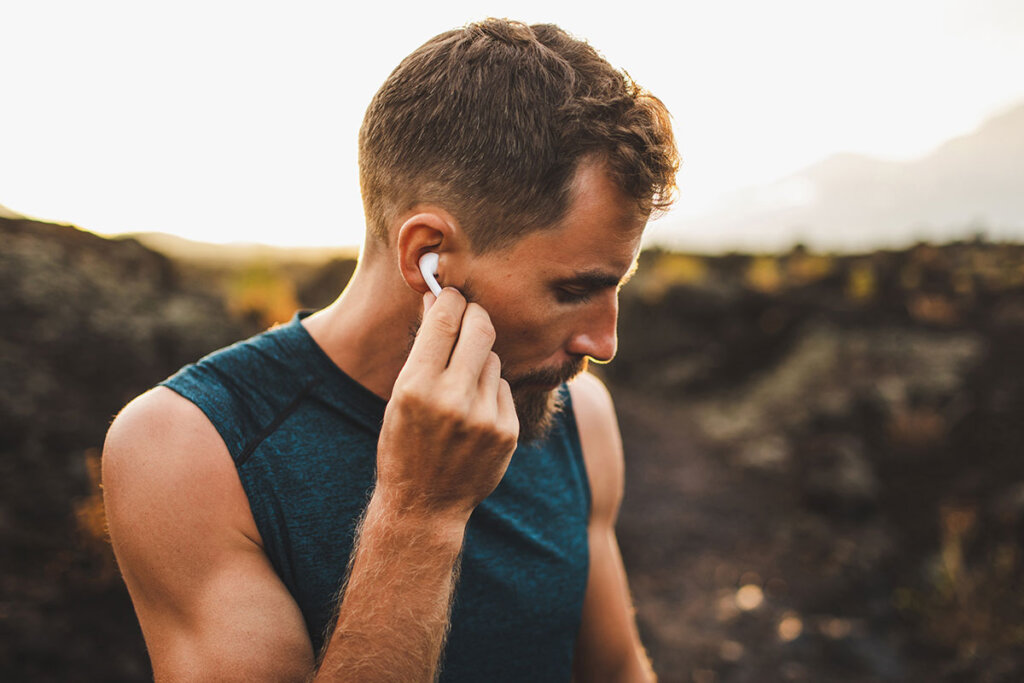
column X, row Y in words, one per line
column 168, row 481
column 242, row 388
column 160, row 443
column 601, row 444
column 160, row 419
column 591, row 401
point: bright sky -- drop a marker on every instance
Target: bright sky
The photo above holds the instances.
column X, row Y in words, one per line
column 237, row 121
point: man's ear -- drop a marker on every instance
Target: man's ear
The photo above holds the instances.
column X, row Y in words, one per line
column 429, row 229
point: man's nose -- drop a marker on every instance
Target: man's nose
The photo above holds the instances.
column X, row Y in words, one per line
column 596, row 334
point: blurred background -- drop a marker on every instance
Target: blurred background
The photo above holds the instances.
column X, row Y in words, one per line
column 820, row 379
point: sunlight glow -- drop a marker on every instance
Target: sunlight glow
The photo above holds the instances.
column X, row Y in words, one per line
column 233, row 121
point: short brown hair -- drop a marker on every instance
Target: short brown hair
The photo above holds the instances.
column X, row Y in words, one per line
column 491, row 121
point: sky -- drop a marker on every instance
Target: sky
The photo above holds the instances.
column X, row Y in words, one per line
column 237, row 121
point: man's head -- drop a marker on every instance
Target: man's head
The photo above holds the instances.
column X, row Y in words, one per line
column 531, row 166
column 491, row 122
column 552, row 295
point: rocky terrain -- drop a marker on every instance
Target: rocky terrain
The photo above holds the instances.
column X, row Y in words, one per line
column 87, row 324
column 824, row 471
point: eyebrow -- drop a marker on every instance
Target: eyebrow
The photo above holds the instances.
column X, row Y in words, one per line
column 597, row 279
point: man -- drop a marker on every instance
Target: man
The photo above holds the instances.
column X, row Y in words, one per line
column 334, row 499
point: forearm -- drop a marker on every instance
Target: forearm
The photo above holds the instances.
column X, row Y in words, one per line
column 393, row 617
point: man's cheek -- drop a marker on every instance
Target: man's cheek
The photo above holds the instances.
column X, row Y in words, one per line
column 520, row 343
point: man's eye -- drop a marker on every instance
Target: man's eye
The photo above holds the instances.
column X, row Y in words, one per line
column 570, row 295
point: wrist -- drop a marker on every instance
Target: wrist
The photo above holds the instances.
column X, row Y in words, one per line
column 445, row 527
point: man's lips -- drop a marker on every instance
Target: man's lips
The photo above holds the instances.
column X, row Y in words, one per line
column 536, row 385
column 548, row 379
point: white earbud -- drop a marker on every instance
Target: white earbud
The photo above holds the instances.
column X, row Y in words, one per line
column 428, row 268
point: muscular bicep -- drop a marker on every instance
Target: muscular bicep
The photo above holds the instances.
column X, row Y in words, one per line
column 233, row 622
column 209, row 603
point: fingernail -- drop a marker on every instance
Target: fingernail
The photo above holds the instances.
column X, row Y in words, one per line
column 428, row 301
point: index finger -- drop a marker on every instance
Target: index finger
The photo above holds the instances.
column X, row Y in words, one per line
column 438, row 332
column 473, row 346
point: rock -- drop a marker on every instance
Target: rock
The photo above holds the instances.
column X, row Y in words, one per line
column 837, row 475
column 770, row 453
column 87, row 324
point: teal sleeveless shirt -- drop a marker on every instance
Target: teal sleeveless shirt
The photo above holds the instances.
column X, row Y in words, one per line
column 303, row 436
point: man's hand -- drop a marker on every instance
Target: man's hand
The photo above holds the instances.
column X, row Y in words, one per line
column 450, row 426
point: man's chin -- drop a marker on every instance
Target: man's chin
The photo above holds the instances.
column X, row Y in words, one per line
column 538, row 400
column 536, row 410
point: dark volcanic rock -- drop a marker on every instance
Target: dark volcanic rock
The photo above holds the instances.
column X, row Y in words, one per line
column 824, row 472
column 87, row 323
column 824, row 480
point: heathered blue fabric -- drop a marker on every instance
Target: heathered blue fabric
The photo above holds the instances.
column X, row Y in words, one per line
column 303, row 436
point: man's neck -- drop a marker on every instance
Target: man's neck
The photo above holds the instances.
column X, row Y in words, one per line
column 366, row 331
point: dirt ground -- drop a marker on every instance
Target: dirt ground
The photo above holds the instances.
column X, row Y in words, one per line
column 737, row 580
column 823, row 471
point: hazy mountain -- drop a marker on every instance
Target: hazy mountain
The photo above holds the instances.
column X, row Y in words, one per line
column 237, row 252
column 7, row 213
column 969, row 184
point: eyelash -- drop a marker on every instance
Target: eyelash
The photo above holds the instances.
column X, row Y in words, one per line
column 567, row 297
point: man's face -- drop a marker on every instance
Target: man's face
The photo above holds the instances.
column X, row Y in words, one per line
column 553, row 295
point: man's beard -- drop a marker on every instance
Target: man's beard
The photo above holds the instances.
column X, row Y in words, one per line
column 537, row 407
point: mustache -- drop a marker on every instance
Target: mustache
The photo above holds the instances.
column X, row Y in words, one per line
column 545, row 376
column 549, row 376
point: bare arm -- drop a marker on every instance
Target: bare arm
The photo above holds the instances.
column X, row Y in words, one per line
column 210, row 604
column 609, row 647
